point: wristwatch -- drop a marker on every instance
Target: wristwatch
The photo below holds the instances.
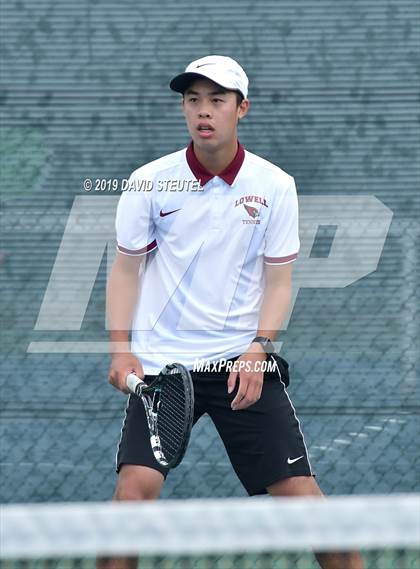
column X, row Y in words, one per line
column 266, row 343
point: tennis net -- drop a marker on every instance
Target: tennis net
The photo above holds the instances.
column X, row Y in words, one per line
column 240, row 533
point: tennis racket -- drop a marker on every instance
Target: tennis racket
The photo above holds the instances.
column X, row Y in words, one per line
column 169, row 405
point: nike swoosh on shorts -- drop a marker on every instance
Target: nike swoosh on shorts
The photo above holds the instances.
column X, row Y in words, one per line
column 292, row 460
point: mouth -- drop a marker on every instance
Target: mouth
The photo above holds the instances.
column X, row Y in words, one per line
column 205, row 130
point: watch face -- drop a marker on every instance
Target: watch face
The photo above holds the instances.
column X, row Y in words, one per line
column 269, row 348
column 266, row 343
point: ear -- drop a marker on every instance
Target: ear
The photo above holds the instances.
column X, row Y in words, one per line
column 243, row 108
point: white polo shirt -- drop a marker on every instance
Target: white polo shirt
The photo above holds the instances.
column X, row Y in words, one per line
column 202, row 286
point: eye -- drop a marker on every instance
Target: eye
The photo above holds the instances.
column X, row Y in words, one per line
column 217, row 100
column 192, row 99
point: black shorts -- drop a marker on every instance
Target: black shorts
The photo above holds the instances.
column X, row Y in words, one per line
column 264, row 442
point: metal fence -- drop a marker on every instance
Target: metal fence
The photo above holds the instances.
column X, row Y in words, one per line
column 334, row 93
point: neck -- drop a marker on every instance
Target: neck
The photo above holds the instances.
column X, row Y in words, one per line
column 216, row 160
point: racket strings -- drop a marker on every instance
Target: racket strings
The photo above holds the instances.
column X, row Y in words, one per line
column 175, row 413
column 172, row 415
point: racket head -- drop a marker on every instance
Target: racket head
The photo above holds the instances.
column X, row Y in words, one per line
column 175, row 413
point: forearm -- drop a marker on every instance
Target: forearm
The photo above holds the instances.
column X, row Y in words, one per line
column 121, row 299
column 276, row 299
column 274, row 308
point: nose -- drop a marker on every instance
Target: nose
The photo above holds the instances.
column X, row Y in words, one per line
column 203, row 111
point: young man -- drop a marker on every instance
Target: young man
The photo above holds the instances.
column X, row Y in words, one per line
column 214, row 238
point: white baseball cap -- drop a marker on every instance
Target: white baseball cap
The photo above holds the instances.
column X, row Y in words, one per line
column 224, row 71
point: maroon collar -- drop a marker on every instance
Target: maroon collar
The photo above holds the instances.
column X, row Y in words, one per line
column 203, row 175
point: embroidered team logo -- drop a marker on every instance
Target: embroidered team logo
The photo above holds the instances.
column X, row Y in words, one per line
column 253, row 212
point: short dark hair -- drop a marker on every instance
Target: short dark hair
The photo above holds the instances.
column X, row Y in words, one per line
column 239, row 98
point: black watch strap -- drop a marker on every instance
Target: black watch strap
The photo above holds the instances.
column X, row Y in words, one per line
column 266, row 343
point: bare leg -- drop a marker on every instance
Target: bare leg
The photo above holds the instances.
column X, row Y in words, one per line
column 307, row 486
column 134, row 483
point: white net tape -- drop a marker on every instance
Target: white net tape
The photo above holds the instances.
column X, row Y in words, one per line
column 210, row 526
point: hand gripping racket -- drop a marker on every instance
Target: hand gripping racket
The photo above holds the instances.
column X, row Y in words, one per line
column 169, row 405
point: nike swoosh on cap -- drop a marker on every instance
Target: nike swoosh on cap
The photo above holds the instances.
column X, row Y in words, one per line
column 292, row 460
column 203, row 64
column 162, row 214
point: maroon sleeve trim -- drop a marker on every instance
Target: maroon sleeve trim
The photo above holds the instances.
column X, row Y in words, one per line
column 280, row 260
column 141, row 251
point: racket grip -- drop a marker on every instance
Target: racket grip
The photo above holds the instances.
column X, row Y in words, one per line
column 134, row 383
